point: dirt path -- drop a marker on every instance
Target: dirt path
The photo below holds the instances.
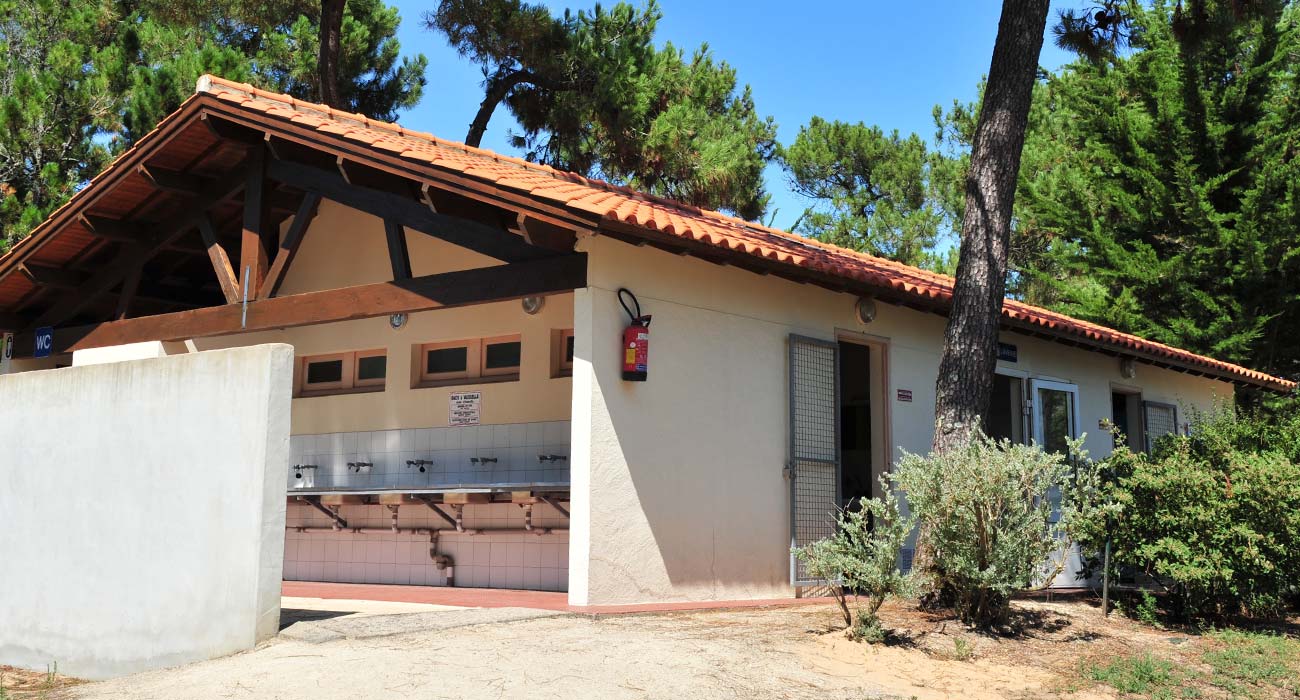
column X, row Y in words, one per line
column 756, row 653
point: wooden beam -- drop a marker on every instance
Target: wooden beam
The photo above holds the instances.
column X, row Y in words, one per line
column 554, row 275
column 289, row 245
column 398, row 256
column 173, row 181
column 111, row 229
column 226, row 276
column 13, row 322
column 252, row 249
column 490, row 241
column 130, row 286
column 230, row 131
column 46, row 276
column 162, row 235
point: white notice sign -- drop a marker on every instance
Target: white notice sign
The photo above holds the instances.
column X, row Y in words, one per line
column 466, row 407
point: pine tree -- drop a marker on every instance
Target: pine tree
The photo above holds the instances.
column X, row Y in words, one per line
column 594, row 95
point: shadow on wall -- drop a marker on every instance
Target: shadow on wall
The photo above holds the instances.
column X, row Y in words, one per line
column 701, row 511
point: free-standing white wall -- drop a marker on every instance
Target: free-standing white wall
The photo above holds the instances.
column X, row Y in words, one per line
column 143, row 510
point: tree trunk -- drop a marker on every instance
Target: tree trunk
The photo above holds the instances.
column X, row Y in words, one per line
column 965, row 381
column 327, row 64
column 498, row 86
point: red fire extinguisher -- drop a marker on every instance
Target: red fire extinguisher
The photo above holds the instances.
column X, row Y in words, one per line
column 636, row 340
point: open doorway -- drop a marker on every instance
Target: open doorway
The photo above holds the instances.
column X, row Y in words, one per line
column 1126, row 415
column 1006, row 418
column 863, row 445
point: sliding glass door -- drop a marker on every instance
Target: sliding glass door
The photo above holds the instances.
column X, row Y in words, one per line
column 1056, row 413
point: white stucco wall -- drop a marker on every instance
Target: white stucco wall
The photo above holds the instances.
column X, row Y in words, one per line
column 143, row 510
column 678, row 491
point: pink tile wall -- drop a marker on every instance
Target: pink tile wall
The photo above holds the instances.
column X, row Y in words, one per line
column 505, row 560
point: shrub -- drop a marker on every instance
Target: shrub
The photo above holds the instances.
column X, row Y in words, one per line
column 1214, row 518
column 862, row 557
column 987, row 529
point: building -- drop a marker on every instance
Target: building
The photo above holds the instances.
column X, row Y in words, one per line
column 459, row 338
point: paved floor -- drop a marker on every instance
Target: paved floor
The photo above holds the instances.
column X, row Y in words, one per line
column 504, row 598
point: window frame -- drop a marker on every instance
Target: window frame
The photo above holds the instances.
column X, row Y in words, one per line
column 499, row 373
column 347, row 382
column 561, row 366
column 426, row 378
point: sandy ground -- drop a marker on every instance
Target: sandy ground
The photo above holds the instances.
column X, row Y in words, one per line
column 357, row 649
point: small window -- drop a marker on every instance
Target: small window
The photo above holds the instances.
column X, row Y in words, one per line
column 562, row 353
column 344, row 372
column 446, row 363
column 446, row 360
column 501, row 356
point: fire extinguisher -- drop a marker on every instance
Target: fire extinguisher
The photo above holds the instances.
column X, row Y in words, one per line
column 636, row 340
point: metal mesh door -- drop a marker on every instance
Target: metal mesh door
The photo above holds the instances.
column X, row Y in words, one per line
column 1159, row 420
column 814, row 446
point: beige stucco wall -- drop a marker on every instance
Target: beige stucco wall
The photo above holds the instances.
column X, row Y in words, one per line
column 678, row 491
column 344, row 247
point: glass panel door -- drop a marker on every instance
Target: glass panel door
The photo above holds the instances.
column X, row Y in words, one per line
column 1056, row 414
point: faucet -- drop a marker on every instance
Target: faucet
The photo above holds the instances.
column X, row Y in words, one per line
column 298, row 469
column 358, row 466
column 483, row 460
column 552, row 458
column 421, row 463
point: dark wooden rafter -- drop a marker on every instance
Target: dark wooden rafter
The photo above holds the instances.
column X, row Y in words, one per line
column 398, row 256
column 108, row 229
column 252, row 250
column 173, row 181
column 158, row 237
column 554, row 275
column 289, row 245
column 226, row 276
column 130, row 287
column 46, row 276
column 481, row 238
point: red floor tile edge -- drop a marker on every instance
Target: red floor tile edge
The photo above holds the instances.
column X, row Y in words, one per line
column 505, row 598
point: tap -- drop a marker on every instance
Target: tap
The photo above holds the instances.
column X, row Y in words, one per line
column 358, row 466
column 421, row 463
column 552, row 458
column 298, row 469
column 483, row 460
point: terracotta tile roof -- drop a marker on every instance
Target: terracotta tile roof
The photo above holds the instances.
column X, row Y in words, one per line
column 655, row 215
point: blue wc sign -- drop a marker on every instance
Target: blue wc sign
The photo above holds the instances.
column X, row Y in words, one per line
column 44, row 342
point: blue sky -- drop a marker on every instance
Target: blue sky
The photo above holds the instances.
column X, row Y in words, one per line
column 883, row 63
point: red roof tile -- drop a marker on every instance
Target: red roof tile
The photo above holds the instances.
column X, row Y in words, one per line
column 731, row 236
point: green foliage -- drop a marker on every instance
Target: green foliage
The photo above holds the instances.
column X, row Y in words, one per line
column 962, row 649
column 1145, row 610
column 862, row 558
column 1214, row 517
column 873, row 191
column 987, row 526
column 1247, row 660
column 81, row 80
column 594, row 95
column 1160, row 183
column 1137, row 675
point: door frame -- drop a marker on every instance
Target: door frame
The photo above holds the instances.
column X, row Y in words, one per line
column 880, row 344
column 1072, row 389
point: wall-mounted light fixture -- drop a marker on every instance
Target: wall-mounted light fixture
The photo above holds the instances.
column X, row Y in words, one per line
column 397, row 321
column 865, row 308
column 532, row 305
column 1127, row 367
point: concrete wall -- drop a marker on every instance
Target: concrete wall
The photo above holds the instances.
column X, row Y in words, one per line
column 678, row 491
column 143, row 508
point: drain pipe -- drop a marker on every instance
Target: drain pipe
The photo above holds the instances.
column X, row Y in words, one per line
column 442, row 562
column 393, row 509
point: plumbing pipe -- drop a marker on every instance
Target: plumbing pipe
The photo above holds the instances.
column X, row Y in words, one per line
column 442, row 562
column 393, row 509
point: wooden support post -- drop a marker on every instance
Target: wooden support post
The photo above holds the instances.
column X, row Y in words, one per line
column 226, row 276
column 252, row 250
column 289, row 245
column 398, row 256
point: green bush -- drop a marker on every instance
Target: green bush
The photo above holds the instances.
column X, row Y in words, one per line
column 862, row 558
column 1214, row 518
column 987, row 530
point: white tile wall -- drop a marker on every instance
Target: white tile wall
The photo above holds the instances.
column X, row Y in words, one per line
column 515, row 446
column 506, row 560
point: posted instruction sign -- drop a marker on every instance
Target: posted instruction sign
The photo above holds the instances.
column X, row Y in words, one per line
column 466, row 408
